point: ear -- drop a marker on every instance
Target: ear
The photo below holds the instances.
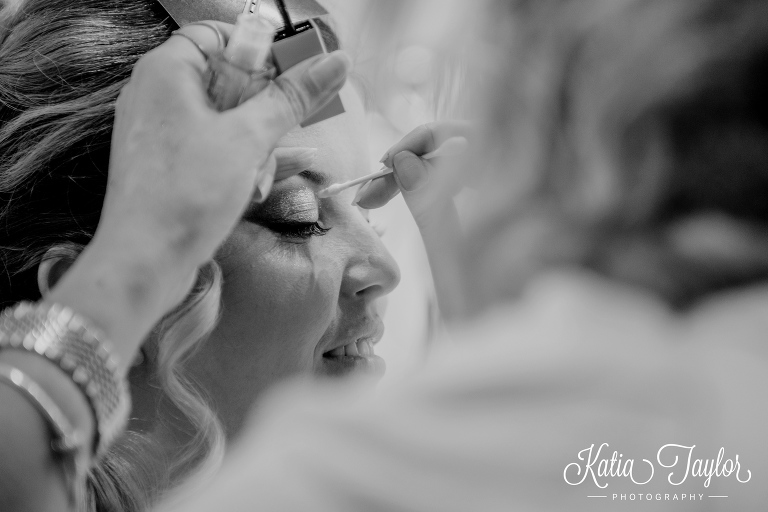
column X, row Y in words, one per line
column 54, row 264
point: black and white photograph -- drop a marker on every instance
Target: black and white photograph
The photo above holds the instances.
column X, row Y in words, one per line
column 383, row 255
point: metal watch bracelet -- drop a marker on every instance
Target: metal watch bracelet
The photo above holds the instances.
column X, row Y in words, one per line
column 64, row 338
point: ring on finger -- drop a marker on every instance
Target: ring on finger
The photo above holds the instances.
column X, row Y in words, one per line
column 215, row 28
column 197, row 45
column 221, row 42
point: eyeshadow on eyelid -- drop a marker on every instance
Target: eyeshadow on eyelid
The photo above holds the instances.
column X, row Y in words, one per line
column 298, row 205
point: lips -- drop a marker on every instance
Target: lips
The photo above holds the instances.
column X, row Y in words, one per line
column 372, row 366
column 362, row 347
column 355, row 356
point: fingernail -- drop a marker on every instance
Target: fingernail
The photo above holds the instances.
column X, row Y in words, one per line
column 330, row 70
column 361, row 193
column 384, row 158
column 410, row 171
column 263, row 188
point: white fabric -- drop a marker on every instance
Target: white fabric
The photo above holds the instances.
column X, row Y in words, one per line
column 497, row 414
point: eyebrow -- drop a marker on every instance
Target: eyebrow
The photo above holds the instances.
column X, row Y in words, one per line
column 318, row 178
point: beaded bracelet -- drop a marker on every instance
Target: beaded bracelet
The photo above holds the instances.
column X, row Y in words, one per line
column 64, row 338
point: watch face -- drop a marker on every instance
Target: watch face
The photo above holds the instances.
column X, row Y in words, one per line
column 187, row 11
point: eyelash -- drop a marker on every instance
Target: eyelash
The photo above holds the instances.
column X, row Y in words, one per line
column 302, row 230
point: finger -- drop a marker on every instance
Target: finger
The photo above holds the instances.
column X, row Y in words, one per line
column 412, row 176
column 177, row 66
column 376, row 193
column 266, row 179
column 257, row 84
column 428, row 137
column 429, row 203
column 292, row 161
column 206, row 37
column 410, row 173
column 293, row 95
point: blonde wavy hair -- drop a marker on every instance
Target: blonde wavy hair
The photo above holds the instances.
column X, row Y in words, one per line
column 130, row 477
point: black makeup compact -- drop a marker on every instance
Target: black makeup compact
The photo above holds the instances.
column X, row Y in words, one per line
column 295, row 43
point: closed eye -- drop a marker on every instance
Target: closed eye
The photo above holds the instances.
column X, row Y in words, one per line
column 300, row 230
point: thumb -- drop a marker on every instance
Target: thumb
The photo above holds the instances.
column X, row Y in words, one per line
column 412, row 176
column 294, row 95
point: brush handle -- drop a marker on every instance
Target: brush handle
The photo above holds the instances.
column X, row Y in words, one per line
column 368, row 177
column 338, row 187
column 452, row 146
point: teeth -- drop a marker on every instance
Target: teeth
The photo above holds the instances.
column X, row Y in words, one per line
column 365, row 348
column 351, row 349
column 362, row 348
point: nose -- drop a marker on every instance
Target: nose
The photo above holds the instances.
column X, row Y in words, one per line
column 371, row 271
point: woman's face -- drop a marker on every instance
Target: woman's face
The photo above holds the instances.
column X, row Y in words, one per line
column 302, row 276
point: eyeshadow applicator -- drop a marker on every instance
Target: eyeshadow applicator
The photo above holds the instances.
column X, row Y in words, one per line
column 451, row 147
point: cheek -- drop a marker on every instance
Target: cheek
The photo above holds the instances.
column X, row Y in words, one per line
column 277, row 301
column 277, row 296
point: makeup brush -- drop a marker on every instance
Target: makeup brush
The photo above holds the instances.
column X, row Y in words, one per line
column 451, row 147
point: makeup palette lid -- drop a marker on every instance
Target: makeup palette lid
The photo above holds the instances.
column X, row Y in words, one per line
column 187, row 11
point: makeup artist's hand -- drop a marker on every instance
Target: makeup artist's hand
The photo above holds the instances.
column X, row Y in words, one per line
column 180, row 175
column 203, row 165
column 428, row 197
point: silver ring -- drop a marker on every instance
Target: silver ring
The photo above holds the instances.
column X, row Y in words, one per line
column 215, row 28
column 197, row 45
